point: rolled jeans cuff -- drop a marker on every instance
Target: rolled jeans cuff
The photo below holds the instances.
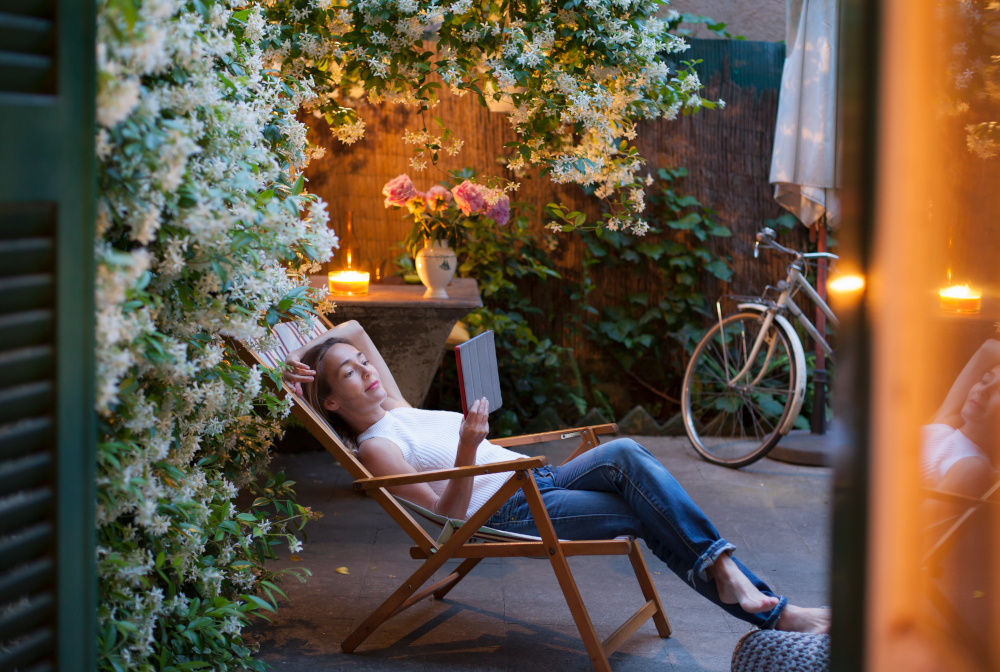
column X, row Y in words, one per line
column 708, row 559
column 772, row 619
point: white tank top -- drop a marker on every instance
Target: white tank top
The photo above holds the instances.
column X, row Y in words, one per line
column 429, row 440
column 941, row 447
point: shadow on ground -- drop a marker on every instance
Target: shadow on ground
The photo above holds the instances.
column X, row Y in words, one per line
column 509, row 614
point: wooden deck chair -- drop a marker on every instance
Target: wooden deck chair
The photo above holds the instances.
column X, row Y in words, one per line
column 947, row 541
column 935, row 556
column 470, row 540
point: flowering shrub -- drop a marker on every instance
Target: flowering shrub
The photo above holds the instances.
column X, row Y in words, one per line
column 971, row 81
column 441, row 213
column 576, row 75
column 200, row 215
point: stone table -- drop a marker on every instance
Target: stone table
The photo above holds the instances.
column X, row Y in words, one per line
column 409, row 330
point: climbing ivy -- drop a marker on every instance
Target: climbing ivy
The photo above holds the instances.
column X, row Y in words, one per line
column 535, row 371
column 657, row 328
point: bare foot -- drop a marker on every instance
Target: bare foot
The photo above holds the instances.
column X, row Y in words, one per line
column 735, row 588
column 802, row 619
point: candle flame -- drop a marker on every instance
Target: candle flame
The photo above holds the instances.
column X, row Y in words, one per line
column 960, row 292
column 846, row 284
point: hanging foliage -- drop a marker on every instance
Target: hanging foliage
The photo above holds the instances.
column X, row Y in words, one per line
column 576, row 76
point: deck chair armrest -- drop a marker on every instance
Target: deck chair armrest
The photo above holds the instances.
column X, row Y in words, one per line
column 956, row 498
column 449, row 474
column 556, row 435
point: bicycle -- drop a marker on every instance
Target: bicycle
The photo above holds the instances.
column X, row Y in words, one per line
column 740, row 397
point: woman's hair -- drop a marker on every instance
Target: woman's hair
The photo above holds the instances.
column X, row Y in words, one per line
column 317, row 391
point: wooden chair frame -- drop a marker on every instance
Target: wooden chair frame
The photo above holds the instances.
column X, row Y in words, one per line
column 436, row 554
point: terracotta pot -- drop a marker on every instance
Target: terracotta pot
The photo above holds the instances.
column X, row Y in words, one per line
column 436, row 266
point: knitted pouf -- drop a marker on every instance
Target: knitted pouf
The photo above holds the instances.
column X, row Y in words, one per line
column 777, row 651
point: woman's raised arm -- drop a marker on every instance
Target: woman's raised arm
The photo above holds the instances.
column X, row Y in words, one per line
column 987, row 357
column 356, row 334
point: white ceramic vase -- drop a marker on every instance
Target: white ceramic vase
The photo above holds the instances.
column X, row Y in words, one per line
column 436, row 266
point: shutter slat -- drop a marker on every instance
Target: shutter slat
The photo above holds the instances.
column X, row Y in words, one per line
column 26, row 472
column 26, row 219
column 25, row 508
column 38, row 8
column 26, row 73
column 26, row 365
column 26, row 579
column 25, row 34
column 26, row 401
column 26, row 545
column 26, row 618
column 26, row 292
column 32, row 327
column 24, row 437
column 28, row 650
column 27, row 255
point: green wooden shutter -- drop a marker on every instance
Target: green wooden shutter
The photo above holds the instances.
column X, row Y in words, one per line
column 47, row 579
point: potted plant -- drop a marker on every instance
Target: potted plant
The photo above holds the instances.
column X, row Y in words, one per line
column 439, row 217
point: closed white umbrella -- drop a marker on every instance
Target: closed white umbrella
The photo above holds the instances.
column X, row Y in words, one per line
column 804, row 160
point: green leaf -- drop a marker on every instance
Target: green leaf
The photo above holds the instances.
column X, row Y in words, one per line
column 262, row 604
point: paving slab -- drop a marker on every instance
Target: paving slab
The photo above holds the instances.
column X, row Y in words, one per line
column 509, row 614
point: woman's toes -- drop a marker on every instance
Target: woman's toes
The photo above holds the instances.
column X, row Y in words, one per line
column 758, row 604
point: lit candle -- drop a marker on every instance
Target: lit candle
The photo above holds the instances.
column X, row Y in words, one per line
column 960, row 299
column 349, row 283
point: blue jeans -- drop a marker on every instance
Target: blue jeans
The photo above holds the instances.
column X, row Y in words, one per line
column 619, row 488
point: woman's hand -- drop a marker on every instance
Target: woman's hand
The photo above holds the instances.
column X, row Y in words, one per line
column 475, row 426
column 295, row 372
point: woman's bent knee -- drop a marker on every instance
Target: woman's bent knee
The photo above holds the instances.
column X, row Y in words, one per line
column 625, row 452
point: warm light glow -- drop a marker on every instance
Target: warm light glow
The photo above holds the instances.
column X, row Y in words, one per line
column 960, row 299
column 960, row 292
column 846, row 284
column 348, row 283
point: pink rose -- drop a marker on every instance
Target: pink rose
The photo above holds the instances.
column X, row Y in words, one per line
column 470, row 198
column 499, row 212
column 438, row 198
column 398, row 191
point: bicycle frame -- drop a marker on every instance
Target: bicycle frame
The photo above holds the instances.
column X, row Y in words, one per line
column 794, row 281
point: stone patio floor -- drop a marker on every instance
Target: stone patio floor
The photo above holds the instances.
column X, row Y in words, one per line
column 509, row 614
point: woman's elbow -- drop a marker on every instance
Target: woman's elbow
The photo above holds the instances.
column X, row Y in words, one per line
column 991, row 349
column 349, row 328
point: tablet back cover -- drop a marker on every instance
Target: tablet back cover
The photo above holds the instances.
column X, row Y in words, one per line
column 478, row 375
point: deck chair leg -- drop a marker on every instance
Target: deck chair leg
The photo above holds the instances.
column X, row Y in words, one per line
column 401, row 598
column 461, row 570
column 649, row 590
column 595, row 650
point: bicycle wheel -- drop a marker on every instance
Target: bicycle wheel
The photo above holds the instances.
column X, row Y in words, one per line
column 735, row 424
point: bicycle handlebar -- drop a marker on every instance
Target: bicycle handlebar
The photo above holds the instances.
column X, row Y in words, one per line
column 766, row 237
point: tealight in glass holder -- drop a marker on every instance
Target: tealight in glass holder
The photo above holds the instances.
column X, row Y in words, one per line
column 347, row 274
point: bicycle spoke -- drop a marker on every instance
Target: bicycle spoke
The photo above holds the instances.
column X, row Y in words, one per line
column 730, row 424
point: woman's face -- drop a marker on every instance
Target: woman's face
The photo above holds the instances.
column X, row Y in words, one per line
column 983, row 403
column 354, row 382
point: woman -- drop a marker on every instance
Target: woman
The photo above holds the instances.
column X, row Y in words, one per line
column 955, row 446
column 615, row 489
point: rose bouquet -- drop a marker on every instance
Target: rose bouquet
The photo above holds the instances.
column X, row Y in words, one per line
column 443, row 214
